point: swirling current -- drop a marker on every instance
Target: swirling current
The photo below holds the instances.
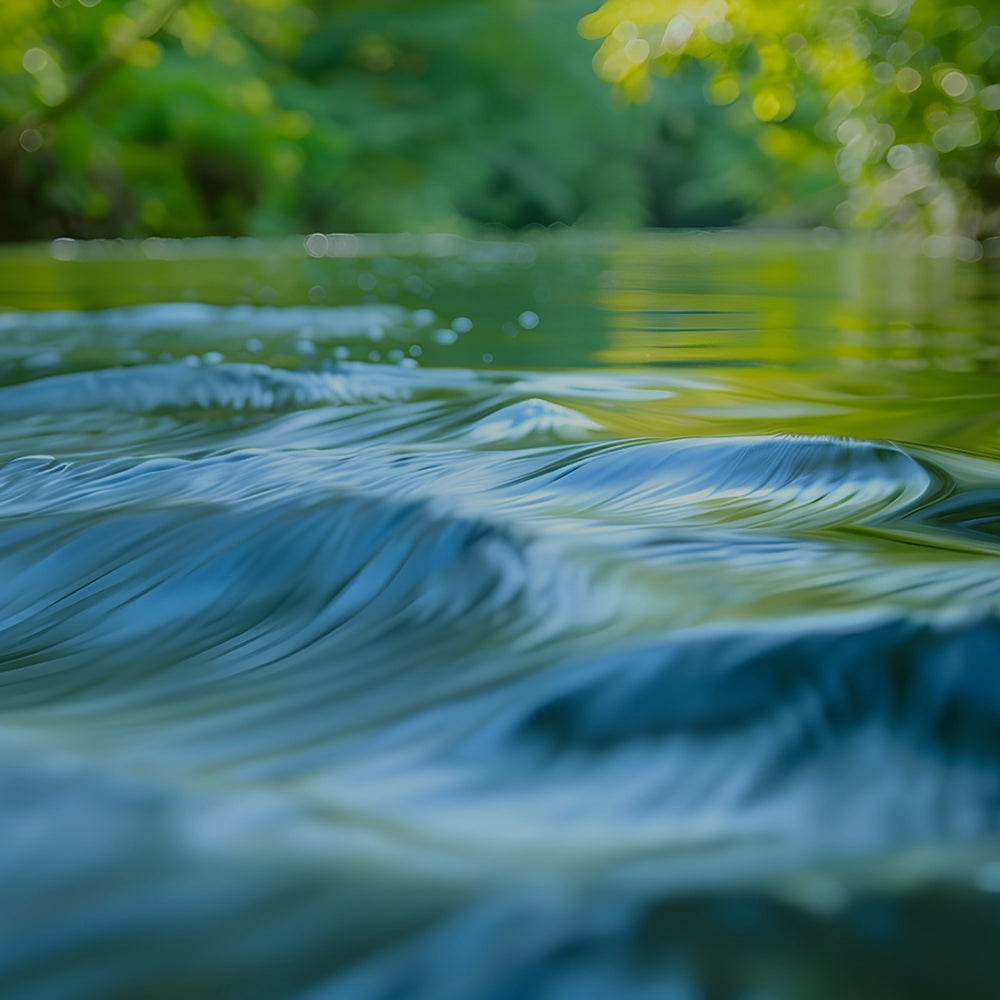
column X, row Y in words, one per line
column 360, row 680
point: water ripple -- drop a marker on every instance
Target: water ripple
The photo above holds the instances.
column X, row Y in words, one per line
column 364, row 680
column 172, row 387
column 796, row 482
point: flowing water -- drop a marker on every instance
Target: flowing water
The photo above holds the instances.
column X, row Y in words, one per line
column 450, row 620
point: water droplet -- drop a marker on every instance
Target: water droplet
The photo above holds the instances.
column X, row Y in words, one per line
column 212, row 357
column 423, row 317
column 254, row 345
column 444, row 336
column 317, row 245
column 488, row 358
column 528, row 320
column 64, row 249
column 416, row 350
column 462, row 324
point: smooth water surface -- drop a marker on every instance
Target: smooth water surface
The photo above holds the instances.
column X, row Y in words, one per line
column 452, row 620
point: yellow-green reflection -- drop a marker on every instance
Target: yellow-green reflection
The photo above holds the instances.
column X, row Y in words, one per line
column 775, row 336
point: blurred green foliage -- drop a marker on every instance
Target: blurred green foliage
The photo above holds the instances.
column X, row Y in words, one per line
column 269, row 116
column 193, row 117
column 900, row 95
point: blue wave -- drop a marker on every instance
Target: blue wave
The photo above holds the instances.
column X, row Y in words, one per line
column 365, row 681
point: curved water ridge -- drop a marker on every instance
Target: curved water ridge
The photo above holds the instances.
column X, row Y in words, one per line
column 308, row 593
column 369, row 680
column 794, row 482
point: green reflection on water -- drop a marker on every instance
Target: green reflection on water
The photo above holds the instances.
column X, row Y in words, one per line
column 752, row 333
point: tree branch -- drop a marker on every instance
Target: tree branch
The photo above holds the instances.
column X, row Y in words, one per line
column 116, row 56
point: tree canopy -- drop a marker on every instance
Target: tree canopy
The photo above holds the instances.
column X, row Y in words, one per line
column 191, row 117
column 131, row 117
column 902, row 95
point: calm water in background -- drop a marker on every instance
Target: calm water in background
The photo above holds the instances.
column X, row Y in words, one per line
column 460, row 620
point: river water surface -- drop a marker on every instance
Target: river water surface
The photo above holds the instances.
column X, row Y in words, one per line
column 452, row 620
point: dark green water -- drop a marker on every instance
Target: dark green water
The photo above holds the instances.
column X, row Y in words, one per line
column 459, row 620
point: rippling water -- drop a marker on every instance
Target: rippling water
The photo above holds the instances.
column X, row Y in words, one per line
column 467, row 621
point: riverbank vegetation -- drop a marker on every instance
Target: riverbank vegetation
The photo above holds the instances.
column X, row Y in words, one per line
column 173, row 118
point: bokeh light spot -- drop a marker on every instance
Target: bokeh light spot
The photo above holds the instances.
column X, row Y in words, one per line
column 31, row 140
column 724, row 89
column 955, row 84
column 908, row 80
column 989, row 97
column 626, row 31
column 35, row 60
column 316, row 245
column 899, row 157
column 677, row 34
column 767, row 106
column 637, row 51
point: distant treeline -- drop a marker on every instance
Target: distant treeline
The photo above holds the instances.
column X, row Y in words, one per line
column 192, row 117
